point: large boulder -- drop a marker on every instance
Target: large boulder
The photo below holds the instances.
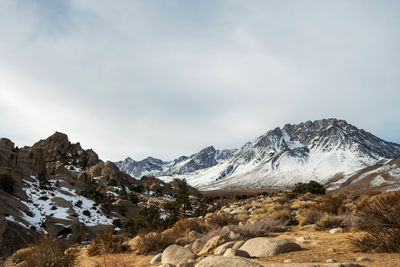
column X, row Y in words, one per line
column 218, row 261
column 175, row 254
column 222, row 248
column 264, row 246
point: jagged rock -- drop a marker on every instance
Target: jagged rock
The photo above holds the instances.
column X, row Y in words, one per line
column 238, row 244
column 263, row 246
column 222, row 248
column 219, row 261
column 213, row 243
column 175, row 254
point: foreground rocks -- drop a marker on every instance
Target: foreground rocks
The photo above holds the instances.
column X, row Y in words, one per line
column 176, row 254
column 264, row 247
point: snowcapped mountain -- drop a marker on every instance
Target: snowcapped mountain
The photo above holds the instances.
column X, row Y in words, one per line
column 206, row 158
column 317, row 150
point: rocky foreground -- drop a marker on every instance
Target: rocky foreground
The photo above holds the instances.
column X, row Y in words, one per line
column 280, row 230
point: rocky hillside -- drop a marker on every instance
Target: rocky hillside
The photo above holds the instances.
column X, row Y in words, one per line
column 57, row 187
column 318, row 150
column 206, row 158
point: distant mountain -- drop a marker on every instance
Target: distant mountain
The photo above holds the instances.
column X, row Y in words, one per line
column 313, row 150
column 206, row 158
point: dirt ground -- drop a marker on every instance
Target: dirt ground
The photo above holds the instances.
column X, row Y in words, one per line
column 319, row 246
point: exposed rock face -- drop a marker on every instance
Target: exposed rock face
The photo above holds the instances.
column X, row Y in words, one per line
column 175, row 254
column 264, row 247
column 65, row 191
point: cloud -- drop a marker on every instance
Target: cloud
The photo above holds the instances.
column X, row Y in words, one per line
column 166, row 78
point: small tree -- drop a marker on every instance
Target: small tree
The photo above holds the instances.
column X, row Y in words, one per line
column 182, row 196
column 312, row 187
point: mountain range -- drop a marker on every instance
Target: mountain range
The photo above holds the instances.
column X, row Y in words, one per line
column 319, row 150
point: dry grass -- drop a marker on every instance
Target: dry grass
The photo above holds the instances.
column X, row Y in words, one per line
column 105, row 242
column 48, row 252
column 260, row 227
column 155, row 241
column 333, row 221
column 116, row 260
column 331, row 204
column 380, row 219
column 309, row 216
column 220, row 220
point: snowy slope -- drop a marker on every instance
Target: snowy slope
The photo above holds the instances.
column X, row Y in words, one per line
column 307, row 151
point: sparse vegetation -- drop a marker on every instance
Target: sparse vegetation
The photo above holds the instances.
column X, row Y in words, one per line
column 105, row 242
column 379, row 217
column 48, row 252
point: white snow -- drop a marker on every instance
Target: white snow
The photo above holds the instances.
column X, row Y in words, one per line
column 377, row 181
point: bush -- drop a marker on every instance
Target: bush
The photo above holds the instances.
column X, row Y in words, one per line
column 185, row 226
column 154, row 242
column 261, row 227
column 105, row 242
column 312, row 187
column 332, row 205
column 310, row 216
column 222, row 219
column 48, row 252
column 380, row 219
column 333, row 221
column 7, row 183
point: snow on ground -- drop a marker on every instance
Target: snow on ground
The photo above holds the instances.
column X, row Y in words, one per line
column 377, row 181
column 40, row 203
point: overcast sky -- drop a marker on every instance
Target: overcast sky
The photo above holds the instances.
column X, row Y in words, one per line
column 167, row 78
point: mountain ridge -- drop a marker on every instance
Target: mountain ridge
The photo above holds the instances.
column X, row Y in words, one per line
column 300, row 152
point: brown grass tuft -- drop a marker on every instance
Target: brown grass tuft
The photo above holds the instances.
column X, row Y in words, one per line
column 105, row 242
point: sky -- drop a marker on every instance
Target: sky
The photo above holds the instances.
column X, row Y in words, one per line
column 168, row 78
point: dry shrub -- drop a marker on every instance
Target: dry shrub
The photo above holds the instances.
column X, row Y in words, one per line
column 300, row 204
column 333, row 221
column 282, row 215
column 185, row 226
column 155, row 241
column 18, row 256
column 221, row 219
column 241, row 217
column 105, row 242
column 380, row 219
column 260, row 227
column 332, row 204
column 310, row 216
column 49, row 252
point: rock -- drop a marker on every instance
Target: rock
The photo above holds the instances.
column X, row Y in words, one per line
column 222, row 248
column 175, row 254
column 156, row 258
column 212, row 243
column 288, row 261
column 186, row 264
column 363, row 259
column 263, row 246
column 238, row 244
column 230, row 252
column 167, row 265
column 302, row 238
column 218, row 261
column 330, row 261
column 197, row 246
column 336, row 230
column 331, row 250
column 234, row 236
